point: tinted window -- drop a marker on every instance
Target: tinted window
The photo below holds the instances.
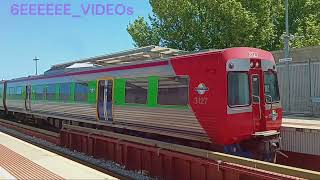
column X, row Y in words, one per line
column 81, row 92
column 51, row 92
column 0, row 93
column 40, row 93
column 11, row 92
column 173, row 91
column 238, row 89
column 18, row 93
column 65, row 92
column 271, row 87
column 256, row 88
column 136, row 91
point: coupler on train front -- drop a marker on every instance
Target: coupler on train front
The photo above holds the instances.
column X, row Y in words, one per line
column 263, row 146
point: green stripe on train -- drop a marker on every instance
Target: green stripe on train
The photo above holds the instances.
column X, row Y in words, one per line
column 72, row 92
column 92, row 93
column 153, row 91
column 57, row 92
column 119, row 91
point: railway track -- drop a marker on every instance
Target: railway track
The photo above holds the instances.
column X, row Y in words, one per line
column 50, row 141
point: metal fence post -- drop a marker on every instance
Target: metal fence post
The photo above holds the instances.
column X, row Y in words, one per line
column 286, row 48
column 310, row 87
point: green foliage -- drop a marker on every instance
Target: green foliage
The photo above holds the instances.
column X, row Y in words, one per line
column 142, row 33
column 310, row 29
column 308, row 25
column 204, row 24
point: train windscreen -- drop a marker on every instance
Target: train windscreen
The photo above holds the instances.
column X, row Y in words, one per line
column 271, row 87
column 238, row 89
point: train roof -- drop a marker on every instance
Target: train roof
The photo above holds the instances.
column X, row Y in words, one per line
column 127, row 57
column 137, row 55
column 147, row 53
column 143, row 54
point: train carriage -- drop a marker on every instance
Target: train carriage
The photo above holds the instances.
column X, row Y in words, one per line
column 224, row 97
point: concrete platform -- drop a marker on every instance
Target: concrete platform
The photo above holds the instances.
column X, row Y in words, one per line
column 301, row 122
column 301, row 135
column 300, row 142
column 21, row 160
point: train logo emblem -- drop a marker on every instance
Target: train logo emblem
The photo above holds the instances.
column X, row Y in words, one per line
column 201, row 89
column 92, row 90
column 274, row 115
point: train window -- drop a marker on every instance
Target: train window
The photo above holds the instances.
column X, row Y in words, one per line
column 81, row 92
column 0, row 92
column 65, row 92
column 173, row 91
column 51, row 92
column 11, row 92
column 271, row 86
column 238, row 89
column 18, row 94
column 40, row 92
column 255, row 88
column 136, row 91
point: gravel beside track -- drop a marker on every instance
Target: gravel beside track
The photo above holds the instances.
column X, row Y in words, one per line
column 108, row 167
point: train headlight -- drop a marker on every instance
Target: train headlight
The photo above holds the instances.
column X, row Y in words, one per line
column 231, row 66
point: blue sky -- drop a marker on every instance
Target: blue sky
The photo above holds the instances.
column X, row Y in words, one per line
column 58, row 39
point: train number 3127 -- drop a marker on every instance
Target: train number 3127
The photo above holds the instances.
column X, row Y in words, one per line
column 200, row 100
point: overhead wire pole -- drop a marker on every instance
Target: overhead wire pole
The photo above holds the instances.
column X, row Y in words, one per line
column 36, row 60
column 286, row 49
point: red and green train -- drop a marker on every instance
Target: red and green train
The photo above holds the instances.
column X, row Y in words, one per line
column 227, row 98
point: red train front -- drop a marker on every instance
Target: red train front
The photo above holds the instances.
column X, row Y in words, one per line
column 234, row 95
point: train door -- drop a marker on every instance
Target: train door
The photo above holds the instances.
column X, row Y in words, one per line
column 28, row 98
column 105, row 100
column 257, row 99
column 4, row 96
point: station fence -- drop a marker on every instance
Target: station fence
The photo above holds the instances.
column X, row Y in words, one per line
column 303, row 95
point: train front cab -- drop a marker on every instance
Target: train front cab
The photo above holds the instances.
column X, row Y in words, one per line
column 253, row 99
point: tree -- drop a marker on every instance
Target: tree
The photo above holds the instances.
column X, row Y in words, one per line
column 308, row 26
column 143, row 34
column 204, row 24
column 308, row 33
